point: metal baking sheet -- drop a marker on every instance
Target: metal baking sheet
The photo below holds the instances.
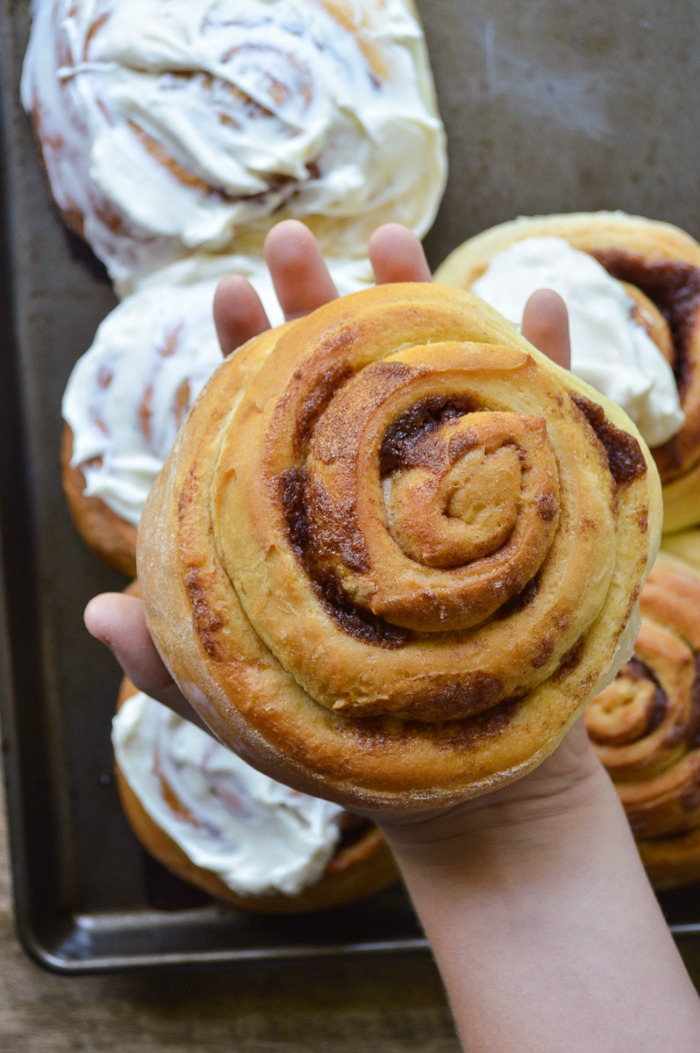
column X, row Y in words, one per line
column 549, row 107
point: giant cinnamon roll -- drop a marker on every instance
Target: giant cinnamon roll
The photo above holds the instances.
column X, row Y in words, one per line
column 129, row 393
column 395, row 550
column 632, row 286
column 167, row 126
column 238, row 835
column 645, row 726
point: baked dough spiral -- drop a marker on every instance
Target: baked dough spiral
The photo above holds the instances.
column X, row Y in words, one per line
column 645, row 726
column 170, row 127
column 395, row 549
column 659, row 267
column 230, row 831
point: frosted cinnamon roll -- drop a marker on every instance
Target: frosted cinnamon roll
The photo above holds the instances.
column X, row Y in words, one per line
column 175, row 126
column 238, row 835
column 395, row 550
column 129, row 393
column 632, row 287
column 645, row 726
column 124, row 402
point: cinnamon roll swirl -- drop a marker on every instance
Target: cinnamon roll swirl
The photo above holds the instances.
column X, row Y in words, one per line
column 395, row 550
column 129, row 393
column 238, row 835
column 632, row 286
column 170, row 127
column 645, row 726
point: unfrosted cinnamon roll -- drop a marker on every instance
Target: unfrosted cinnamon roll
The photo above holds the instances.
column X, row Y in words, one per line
column 170, row 126
column 395, row 550
column 238, row 835
column 632, row 286
column 645, row 726
column 129, row 393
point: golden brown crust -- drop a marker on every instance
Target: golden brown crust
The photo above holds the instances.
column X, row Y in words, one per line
column 281, row 591
column 645, row 726
column 660, row 267
column 104, row 532
column 362, row 864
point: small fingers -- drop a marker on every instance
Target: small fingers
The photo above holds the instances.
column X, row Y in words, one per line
column 238, row 313
column 546, row 325
column 118, row 622
column 397, row 255
column 299, row 273
column 302, row 280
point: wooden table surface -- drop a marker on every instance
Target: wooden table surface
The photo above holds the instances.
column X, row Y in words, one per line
column 392, row 1005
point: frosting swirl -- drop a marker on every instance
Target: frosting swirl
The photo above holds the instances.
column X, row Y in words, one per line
column 257, row 836
column 168, row 127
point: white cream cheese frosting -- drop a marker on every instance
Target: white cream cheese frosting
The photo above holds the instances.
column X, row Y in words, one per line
column 258, row 836
column 129, row 393
column 609, row 348
column 169, row 125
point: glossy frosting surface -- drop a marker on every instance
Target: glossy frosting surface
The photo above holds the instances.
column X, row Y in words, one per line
column 167, row 126
column 255, row 834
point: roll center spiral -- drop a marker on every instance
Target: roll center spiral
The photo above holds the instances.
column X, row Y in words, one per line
column 432, row 512
column 458, row 501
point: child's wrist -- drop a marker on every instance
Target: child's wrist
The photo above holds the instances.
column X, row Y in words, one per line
column 540, row 813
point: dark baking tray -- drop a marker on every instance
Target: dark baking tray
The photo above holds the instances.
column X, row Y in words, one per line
column 548, row 107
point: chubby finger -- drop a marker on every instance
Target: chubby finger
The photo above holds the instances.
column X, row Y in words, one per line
column 299, row 273
column 397, row 255
column 118, row 622
column 238, row 313
column 546, row 325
